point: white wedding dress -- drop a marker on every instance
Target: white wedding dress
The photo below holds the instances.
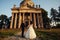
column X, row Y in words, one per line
column 30, row 33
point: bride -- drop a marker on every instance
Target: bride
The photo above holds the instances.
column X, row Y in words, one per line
column 30, row 33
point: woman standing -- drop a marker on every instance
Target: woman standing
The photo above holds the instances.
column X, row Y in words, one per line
column 30, row 32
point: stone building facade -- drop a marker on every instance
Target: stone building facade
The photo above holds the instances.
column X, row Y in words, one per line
column 27, row 11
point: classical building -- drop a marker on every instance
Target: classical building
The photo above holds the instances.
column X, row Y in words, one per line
column 27, row 11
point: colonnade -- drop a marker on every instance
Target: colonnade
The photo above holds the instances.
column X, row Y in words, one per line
column 18, row 18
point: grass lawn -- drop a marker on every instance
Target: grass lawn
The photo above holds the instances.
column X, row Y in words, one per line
column 52, row 34
column 44, row 34
column 8, row 32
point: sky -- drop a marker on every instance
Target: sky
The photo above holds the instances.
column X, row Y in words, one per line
column 6, row 5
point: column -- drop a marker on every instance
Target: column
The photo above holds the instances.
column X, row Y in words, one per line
column 30, row 19
column 41, row 20
column 15, row 21
column 30, row 16
column 11, row 24
column 23, row 17
column 19, row 20
column 38, row 20
column 34, row 16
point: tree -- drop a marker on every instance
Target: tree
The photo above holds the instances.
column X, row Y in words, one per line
column 58, row 18
column 46, row 20
column 4, row 21
column 53, row 15
column 59, row 9
column 9, row 21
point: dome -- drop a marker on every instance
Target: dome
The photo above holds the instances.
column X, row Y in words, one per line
column 27, row 3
